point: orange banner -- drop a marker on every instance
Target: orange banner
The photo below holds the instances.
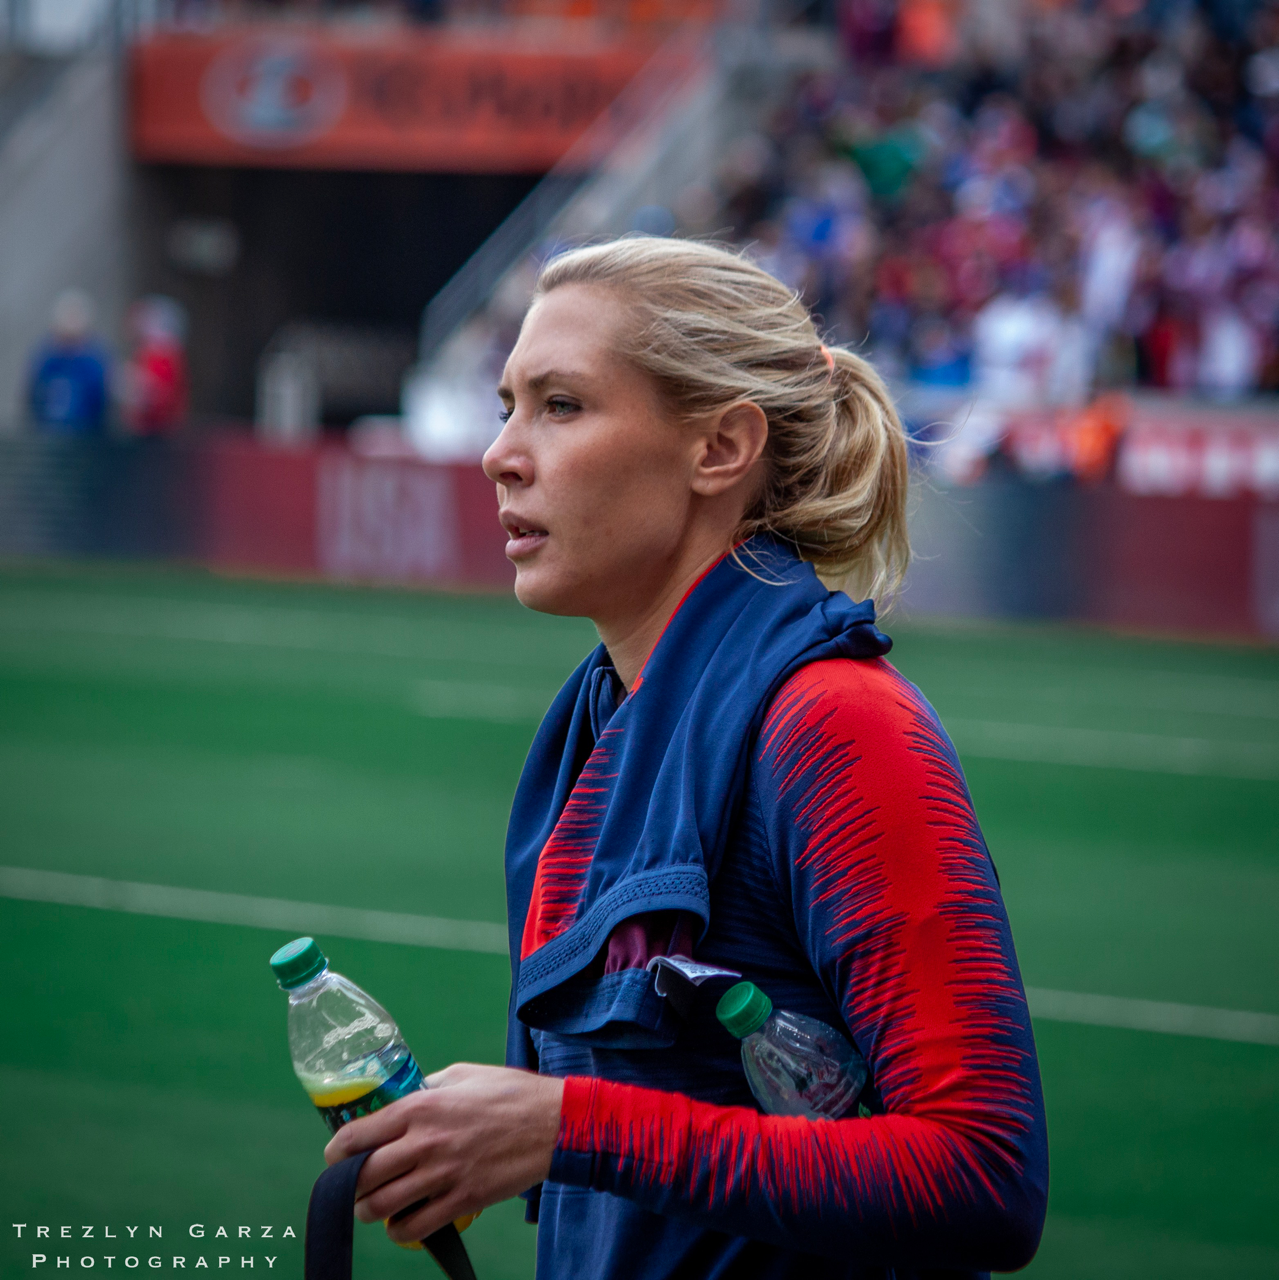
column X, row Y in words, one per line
column 405, row 100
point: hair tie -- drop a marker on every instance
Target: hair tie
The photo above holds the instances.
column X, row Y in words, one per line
column 827, row 356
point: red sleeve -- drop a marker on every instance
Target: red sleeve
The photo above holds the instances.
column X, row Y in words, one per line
column 898, row 908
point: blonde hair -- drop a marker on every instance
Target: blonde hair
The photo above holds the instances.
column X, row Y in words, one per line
column 713, row 329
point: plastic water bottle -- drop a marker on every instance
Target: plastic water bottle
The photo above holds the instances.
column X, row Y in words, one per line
column 795, row 1065
column 347, row 1050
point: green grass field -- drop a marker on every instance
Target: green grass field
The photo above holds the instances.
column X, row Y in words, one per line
column 347, row 747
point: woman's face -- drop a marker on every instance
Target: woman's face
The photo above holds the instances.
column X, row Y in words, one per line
column 596, row 483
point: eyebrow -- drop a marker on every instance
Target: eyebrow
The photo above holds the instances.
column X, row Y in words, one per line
column 551, row 375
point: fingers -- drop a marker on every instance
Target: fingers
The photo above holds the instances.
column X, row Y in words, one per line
column 428, row 1219
column 418, row 1183
column 384, row 1166
column 457, row 1073
column 370, row 1131
column 479, row 1135
column 411, row 1166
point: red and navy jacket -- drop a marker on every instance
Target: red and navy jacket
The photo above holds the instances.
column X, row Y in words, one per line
column 856, row 888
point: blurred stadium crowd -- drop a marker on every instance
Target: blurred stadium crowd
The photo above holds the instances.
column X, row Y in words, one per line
column 1035, row 202
column 1050, row 223
column 1029, row 216
column 1013, row 207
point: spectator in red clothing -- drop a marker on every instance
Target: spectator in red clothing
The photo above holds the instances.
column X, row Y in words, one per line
column 155, row 378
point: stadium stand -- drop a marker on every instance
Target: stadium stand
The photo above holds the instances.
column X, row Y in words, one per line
column 1052, row 227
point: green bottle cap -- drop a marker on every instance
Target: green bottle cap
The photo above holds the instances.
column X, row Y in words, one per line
column 297, row 962
column 743, row 1009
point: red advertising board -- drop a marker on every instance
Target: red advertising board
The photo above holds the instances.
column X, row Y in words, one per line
column 1208, row 459
column 398, row 520
column 332, row 513
column 400, row 99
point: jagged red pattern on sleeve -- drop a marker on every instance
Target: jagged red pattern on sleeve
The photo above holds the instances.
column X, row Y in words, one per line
column 565, row 860
column 717, row 1153
column 892, row 866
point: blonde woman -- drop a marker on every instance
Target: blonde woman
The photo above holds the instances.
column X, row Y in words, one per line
column 738, row 775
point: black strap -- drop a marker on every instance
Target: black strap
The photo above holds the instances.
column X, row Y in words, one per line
column 330, row 1220
column 330, row 1228
column 446, row 1247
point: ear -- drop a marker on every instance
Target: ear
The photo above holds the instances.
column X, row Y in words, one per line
column 730, row 443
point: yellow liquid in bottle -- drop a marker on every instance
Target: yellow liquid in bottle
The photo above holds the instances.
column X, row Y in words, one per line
column 338, row 1095
column 335, row 1093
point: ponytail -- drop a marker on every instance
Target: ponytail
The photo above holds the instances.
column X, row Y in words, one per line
column 837, row 483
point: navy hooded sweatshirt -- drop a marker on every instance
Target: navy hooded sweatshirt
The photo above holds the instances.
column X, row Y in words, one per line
column 852, row 884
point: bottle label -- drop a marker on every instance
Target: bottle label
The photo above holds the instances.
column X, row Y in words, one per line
column 405, row 1081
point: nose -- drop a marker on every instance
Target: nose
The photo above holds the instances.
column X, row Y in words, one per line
column 505, row 462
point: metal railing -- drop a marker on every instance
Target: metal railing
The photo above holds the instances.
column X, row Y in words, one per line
column 668, row 74
column 52, row 28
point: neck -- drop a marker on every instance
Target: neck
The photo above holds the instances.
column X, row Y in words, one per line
column 630, row 640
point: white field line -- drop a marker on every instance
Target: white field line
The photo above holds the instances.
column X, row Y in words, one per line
column 260, row 913
column 457, row 700
column 990, row 739
column 479, row 935
column 266, row 626
column 1203, row 695
column 1109, row 749
column 1153, row 1015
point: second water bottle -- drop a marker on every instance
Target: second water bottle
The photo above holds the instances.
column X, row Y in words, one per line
column 794, row 1064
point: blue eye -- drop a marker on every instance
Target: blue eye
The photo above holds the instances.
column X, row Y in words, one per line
column 504, row 415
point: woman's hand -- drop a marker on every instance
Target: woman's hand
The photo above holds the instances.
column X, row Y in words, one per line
column 477, row 1135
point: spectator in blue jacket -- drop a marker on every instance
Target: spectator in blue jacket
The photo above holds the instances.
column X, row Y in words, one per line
column 67, row 394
